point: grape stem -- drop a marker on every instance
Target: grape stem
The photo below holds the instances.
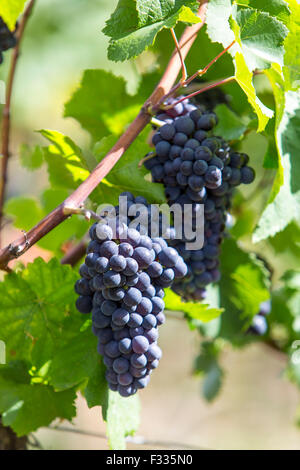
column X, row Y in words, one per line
column 157, row 122
column 202, row 90
column 77, row 198
column 183, row 66
column 201, row 72
column 88, row 214
column 5, row 146
column 185, row 83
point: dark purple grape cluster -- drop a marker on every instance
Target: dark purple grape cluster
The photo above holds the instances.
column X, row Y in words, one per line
column 259, row 325
column 122, row 283
column 7, row 39
column 197, row 168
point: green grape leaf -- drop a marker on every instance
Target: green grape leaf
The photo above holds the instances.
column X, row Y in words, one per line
column 291, row 279
column 291, row 68
column 37, row 311
column 244, row 78
column 96, row 390
column 284, row 203
column 101, row 104
column 250, row 287
column 287, row 241
column 261, row 37
column 66, row 163
column 10, row 12
column 31, row 157
column 19, row 208
column 238, row 268
column 122, row 418
column 222, row 28
column 133, row 32
column 78, row 362
column 207, row 365
column 217, row 19
column 16, row 371
column 230, row 125
column 276, row 8
column 126, row 174
column 212, row 382
column 197, row 311
column 122, row 20
column 25, row 407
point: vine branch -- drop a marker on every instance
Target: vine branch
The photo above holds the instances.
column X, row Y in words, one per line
column 76, row 199
column 5, row 150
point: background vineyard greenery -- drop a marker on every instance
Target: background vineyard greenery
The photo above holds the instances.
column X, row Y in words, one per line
column 51, row 351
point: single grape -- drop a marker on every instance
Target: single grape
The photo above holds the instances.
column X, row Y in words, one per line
column 132, row 297
column 84, row 304
column 247, row 175
column 112, row 349
column 135, row 320
column 149, row 322
column 125, row 249
column 125, row 379
column 140, row 344
column 120, row 365
column 120, row 317
column 143, row 257
column 111, row 279
column 108, row 249
column 117, row 263
column 158, row 305
column 167, row 131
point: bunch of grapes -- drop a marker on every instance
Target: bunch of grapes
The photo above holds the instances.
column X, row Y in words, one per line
column 7, row 39
column 122, row 283
column 259, row 324
column 197, row 168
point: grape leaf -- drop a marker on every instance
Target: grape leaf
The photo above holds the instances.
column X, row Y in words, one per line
column 79, row 362
column 66, row 163
column 291, row 69
column 37, row 311
column 126, row 174
column 261, row 37
column 222, row 28
column 244, row 78
column 217, row 19
column 291, row 279
column 16, row 371
column 101, row 104
column 284, row 202
column 212, row 382
column 20, row 207
column 207, row 364
column 230, row 126
column 122, row 20
column 122, row 418
column 25, row 408
column 237, row 266
column 10, row 11
column 197, row 311
column 250, row 287
column 133, row 32
column 275, row 8
column 31, row 157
